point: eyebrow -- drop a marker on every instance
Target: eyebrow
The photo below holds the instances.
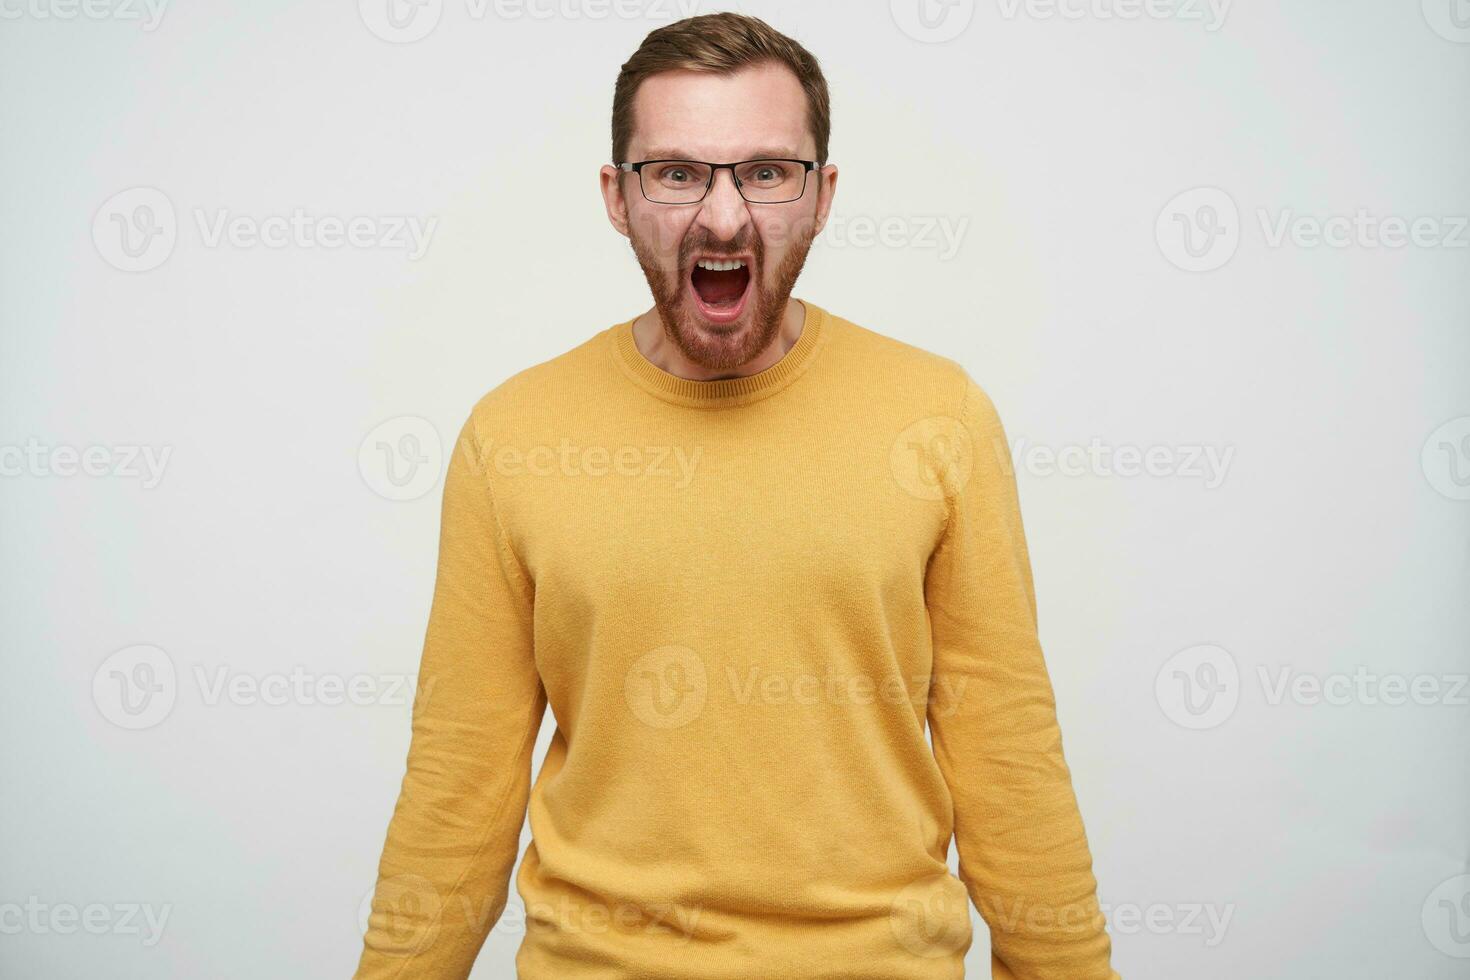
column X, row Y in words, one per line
column 761, row 153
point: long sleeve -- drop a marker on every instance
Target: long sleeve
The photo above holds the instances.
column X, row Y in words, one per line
column 1024, row 856
column 452, row 841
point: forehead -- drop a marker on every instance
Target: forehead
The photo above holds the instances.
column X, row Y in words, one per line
column 759, row 109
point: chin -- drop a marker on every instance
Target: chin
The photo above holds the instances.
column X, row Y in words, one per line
column 722, row 346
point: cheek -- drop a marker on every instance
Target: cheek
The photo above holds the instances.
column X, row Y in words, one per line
column 660, row 232
column 777, row 233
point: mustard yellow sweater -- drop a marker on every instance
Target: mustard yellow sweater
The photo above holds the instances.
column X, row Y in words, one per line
column 743, row 600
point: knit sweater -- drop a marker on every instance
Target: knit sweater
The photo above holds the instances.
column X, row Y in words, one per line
column 743, row 600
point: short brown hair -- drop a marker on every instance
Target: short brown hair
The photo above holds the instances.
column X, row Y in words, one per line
column 722, row 43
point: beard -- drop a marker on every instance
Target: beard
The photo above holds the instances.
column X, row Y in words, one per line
column 722, row 347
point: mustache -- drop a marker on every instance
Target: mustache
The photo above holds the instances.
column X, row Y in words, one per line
column 720, row 251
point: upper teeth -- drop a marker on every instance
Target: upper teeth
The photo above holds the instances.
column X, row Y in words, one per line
column 720, row 266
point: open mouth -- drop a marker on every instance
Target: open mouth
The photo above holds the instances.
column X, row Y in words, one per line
column 720, row 287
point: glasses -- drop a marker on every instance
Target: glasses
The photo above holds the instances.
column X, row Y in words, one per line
column 688, row 181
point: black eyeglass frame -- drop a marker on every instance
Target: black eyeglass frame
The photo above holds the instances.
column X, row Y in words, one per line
column 637, row 168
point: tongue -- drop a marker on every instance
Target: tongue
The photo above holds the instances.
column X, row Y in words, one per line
column 720, row 288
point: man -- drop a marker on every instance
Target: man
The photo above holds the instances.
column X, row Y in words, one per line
column 746, row 550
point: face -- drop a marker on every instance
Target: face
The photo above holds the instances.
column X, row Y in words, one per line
column 720, row 319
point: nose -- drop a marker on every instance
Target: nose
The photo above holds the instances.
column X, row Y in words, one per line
column 723, row 211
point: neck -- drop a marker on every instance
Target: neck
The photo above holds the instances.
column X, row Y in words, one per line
column 654, row 344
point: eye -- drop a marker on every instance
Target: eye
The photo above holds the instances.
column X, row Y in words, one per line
column 679, row 174
column 766, row 174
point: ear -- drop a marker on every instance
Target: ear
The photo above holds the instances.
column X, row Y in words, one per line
column 826, row 188
column 612, row 197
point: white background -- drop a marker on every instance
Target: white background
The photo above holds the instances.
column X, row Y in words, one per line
column 1269, row 836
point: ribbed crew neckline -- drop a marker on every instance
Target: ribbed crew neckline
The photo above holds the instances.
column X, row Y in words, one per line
column 726, row 391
